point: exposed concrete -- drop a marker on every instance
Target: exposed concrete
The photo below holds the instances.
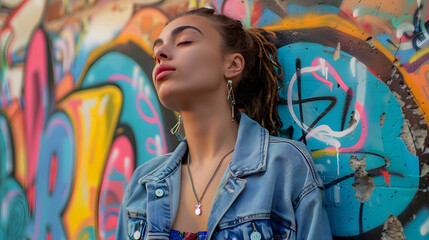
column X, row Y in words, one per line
column 356, row 163
column 407, row 138
column 382, row 118
column 392, row 229
column 419, row 136
column 370, row 41
column 337, row 51
column 414, row 138
column 398, row 98
column 424, row 170
column 363, row 184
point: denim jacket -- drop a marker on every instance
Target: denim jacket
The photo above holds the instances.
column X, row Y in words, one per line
column 270, row 190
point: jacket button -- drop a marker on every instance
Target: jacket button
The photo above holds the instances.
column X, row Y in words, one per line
column 255, row 236
column 159, row 192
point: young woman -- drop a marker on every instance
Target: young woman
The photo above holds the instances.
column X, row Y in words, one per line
column 229, row 179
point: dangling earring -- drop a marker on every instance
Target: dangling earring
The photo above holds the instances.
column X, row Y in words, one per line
column 176, row 130
column 231, row 97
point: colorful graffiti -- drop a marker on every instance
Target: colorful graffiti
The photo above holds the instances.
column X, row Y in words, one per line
column 78, row 112
column 362, row 131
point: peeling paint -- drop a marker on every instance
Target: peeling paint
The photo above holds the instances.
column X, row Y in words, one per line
column 398, row 98
column 337, row 51
column 407, row 138
column 419, row 136
column 392, row 229
column 393, row 73
column 363, row 184
column 382, row 118
column 425, row 170
column 370, row 41
column 356, row 163
column 396, row 63
column 414, row 138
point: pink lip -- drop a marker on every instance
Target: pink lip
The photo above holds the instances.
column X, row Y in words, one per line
column 162, row 71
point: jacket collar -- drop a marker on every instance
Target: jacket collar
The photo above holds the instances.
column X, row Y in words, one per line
column 250, row 154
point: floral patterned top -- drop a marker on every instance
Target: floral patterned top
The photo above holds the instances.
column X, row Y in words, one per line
column 177, row 235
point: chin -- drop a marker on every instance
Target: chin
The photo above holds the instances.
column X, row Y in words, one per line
column 168, row 100
column 181, row 95
column 171, row 105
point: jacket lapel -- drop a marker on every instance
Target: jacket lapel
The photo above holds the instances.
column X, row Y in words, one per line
column 224, row 198
column 249, row 157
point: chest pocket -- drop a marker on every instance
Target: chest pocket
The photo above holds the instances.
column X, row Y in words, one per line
column 254, row 230
column 136, row 225
column 281, row 232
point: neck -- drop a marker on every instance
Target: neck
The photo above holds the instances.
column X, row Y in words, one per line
column 210, row 134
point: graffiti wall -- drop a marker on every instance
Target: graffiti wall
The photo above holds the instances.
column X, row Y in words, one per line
column 78, row 111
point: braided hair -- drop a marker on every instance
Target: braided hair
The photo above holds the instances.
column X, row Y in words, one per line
column 257, row 93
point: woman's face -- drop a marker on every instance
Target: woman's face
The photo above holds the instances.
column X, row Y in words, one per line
column 189, row 62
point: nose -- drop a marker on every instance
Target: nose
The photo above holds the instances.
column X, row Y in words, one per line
column 162, row 53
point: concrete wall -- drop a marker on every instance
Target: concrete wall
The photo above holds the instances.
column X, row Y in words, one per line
column 78, row 111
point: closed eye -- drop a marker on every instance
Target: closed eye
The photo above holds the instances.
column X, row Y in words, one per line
column 184, row 43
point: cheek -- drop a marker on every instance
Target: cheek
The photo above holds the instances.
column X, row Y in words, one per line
column 203, row 64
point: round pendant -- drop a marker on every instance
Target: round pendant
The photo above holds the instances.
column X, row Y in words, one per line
column 198, row 209
column 137, row 235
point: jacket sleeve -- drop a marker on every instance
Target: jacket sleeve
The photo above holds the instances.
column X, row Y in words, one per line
column 312, row 218
column 122, row 225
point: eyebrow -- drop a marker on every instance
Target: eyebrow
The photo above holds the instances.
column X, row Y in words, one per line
column 175, row 32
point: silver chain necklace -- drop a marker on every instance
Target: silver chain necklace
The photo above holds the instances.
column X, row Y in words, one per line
column 198, row 206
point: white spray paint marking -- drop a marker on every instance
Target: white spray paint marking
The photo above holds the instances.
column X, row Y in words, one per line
column 323, row 132
column 338, row 162
column 86, row 106
column 424, row 229
column 356, row 12
column 337, row 194
column 139, row 79
column 324, row 68
column 158, row 144
column 353, row 66
column 103, row 104
column 114, row 154
column 361, row 86
column 127, row 164
column 147, row 91
column 404, row 27
column 136, row 71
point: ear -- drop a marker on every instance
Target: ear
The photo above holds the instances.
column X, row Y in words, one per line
column 234, row 65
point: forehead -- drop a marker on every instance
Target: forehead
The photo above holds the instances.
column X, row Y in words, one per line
column 203, row 24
